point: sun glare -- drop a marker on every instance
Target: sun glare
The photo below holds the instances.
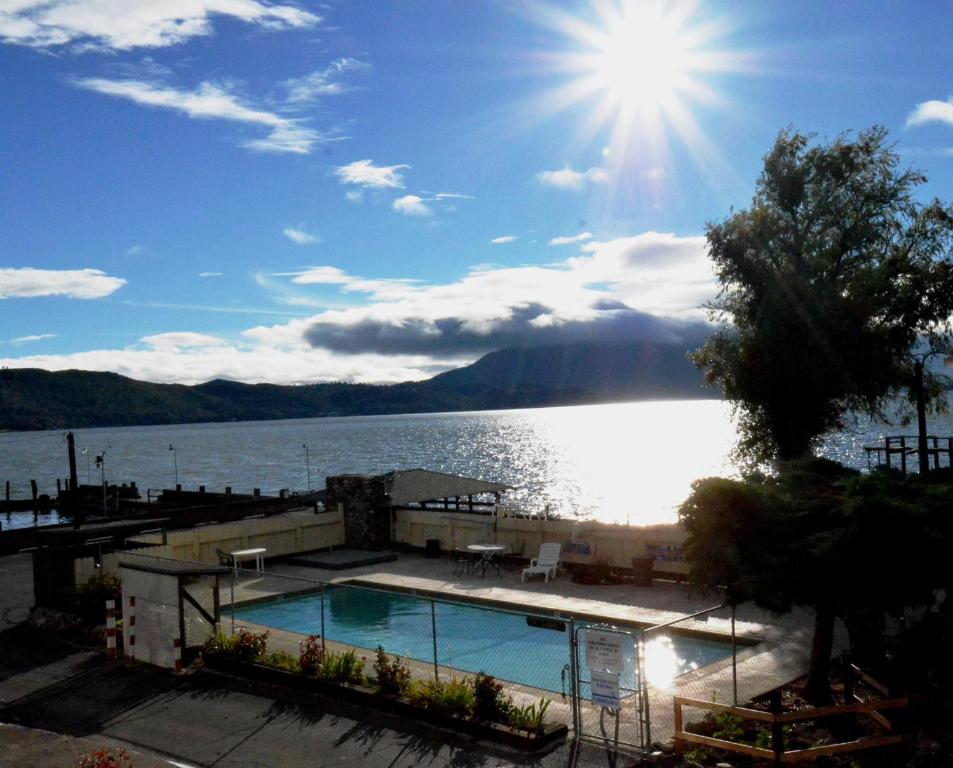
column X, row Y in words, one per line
column 639, row 68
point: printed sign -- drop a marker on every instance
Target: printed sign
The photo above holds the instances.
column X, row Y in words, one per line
column 604, row 651
column 605, row 689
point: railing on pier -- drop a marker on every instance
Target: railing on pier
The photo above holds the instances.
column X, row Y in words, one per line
column 903, row 446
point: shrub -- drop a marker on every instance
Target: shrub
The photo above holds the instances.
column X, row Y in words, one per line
column 728, row 727
column 392, row 675
column 490, row 703
column 454, row 697
column 242, row 646
column 342, row 668
column 532, row 717
column 91, row 598
column 281, row 660
column 312, row 655
column 101, row 758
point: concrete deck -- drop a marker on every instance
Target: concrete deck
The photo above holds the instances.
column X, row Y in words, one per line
column 772, row 650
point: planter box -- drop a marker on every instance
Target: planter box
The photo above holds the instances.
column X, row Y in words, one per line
column 527, row 741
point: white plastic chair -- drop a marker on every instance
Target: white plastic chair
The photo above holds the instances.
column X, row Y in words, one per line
column 546, row 563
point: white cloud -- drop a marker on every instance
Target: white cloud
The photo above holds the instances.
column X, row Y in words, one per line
column 210, row 274
column 322, row 82
column 125, row 24
column 570, row 239
column 300, row 237
column 451, row 196
column 365, row 174
column 504, row 239
column 567, row 178
column 135, row 250
column 31, row 338
column 354, row 195
column 933, row 111
column 157, row 359
column 646, row 286
column 411, row 205
column 183, row 340
column 74, row 283
column 211, row 101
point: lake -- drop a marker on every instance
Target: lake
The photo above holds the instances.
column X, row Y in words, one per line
column 628, row 462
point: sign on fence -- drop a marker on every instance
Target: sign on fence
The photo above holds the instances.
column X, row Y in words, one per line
column 605, row 689
column 604, row 651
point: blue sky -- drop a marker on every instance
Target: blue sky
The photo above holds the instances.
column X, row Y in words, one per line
column 370, row 191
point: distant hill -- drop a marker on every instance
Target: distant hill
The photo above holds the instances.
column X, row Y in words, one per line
column 511, row 378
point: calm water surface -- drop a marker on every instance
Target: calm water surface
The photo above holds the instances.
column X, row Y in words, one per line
column 628, row 462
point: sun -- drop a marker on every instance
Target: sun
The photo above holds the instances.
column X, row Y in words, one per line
column 641, row 61
column 640, row 69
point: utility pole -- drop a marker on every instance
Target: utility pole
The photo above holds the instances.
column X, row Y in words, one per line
column 72, row 506
column 922, row 453
column 307, row 461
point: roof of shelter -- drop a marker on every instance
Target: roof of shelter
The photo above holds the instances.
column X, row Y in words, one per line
column 407, row 486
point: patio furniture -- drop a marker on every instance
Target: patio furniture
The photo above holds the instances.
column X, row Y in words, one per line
column 515, row 556
column 546, row 563
column 489, row 556
column 463, row 562
column 255, row 553
column 225, row 559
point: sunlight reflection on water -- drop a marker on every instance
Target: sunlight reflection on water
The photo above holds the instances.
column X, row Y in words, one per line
column 627, row 462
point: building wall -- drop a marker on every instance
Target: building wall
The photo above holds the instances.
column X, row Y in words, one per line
column 614, row 544
column 281, row 535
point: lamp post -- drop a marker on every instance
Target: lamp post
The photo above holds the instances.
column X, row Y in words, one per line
column 307, row 461
column 175, row 463
column 101, row 463
column 85, row 453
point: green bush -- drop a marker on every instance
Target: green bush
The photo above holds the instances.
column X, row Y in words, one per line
column 281, row 660
column 343, row 667
column 532, row 717
column 490, row 703
column 241, row 646
column 392, row 675
column 454, row 697
column 311, row 655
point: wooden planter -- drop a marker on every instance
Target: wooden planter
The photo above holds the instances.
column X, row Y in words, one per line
column 363, row 696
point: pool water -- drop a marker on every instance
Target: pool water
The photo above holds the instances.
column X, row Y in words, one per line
column 469, row 638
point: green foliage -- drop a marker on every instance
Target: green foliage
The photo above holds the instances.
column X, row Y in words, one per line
column 393, row 676
column 531, row 717
column 828, row 279
column 281, row 660
column 344, row 667
column 241, row 646
column 696, row 755
column 311, row 655
column 490, row 703
column 453, row 697
column 91, row 598
column 728, row 727
column 816, row 534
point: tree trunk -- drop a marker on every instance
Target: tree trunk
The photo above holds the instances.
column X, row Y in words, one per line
column 818, row 688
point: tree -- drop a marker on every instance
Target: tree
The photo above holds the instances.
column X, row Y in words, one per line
column 817, row 534
column 828, row 280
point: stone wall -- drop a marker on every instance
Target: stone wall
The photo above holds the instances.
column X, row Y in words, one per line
column 361, row 500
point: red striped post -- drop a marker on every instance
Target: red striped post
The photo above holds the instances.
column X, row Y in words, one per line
column 131, row 623
column 177, row 655
column 111, row 629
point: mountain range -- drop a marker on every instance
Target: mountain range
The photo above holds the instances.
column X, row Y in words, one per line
column 565, row 374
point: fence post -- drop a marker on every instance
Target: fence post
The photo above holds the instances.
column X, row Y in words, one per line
column 433, row 628
column 734, row 659
column 573, row 675
column 231, row 588
column 111, row 629
column 323, row 644
column 644, row 686
column 777, row 729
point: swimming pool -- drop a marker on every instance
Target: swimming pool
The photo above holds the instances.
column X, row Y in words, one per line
column 469, row 637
